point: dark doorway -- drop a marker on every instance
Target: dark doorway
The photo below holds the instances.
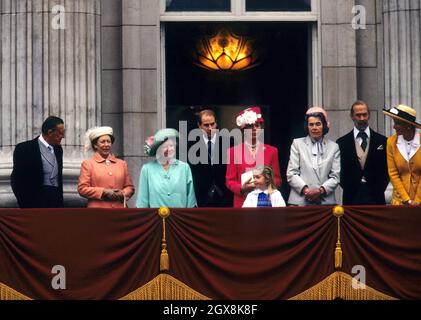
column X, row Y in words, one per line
column 279, row 83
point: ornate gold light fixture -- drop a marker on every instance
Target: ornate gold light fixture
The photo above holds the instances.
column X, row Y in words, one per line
column 225, row 51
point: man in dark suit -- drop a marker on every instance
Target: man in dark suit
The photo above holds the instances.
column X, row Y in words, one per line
column 209, row 172
column 37, row 179
column 364, row 175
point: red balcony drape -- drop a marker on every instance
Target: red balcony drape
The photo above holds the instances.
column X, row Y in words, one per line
column 105, row 253
column 268, row 253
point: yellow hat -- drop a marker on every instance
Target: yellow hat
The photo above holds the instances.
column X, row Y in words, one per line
column 404, row 113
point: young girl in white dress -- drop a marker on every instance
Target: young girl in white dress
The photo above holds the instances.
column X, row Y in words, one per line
column 265, row 193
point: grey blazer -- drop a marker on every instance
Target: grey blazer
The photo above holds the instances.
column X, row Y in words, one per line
column 302, row 172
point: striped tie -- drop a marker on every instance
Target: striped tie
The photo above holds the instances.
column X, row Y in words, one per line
column 263, row 200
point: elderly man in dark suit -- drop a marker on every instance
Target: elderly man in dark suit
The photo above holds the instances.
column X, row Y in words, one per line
column 364, row 175
column 209, row 172
column 37, row 179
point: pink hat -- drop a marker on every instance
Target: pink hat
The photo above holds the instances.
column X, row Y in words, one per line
column 249, row 116
column 315, row 109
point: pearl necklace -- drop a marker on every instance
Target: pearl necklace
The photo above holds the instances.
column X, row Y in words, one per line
column 251, row 146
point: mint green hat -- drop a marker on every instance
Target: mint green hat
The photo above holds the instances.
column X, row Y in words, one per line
column 152, row 143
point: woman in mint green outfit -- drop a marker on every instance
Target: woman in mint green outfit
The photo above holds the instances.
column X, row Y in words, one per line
column 165, row 181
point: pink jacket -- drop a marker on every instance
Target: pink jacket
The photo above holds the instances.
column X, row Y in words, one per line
column 96, row 175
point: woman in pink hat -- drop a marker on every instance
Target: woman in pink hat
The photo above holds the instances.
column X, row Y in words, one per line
column 314, row 163
column 252, row 152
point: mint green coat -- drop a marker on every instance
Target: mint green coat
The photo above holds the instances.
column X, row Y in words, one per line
column 172, row 188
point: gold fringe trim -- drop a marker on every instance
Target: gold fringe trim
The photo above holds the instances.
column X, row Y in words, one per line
column 339, row 285
column 165, row 287
column 7, row 293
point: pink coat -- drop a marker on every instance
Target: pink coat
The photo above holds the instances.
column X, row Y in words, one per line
column 96, row 175
column 240, row 160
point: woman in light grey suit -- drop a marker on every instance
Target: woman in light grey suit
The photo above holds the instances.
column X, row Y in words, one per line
column 314, row 164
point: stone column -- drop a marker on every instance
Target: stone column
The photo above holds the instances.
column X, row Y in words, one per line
column 45, row 71
column 402, row 55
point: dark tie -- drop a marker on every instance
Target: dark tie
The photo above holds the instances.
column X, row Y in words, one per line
column 363, row 137
column 263, row 200
column 210, row 152
column 50, row 148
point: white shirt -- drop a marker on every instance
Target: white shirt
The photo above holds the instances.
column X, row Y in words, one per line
column 275, row 198
column 359, row 139
column 213, row 140
column 408, row 148
column 46, row 144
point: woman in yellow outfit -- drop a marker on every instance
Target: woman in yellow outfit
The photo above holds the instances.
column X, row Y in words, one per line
column 404, row 156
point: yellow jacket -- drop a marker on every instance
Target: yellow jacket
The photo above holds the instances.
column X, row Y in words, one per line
column 404, row 175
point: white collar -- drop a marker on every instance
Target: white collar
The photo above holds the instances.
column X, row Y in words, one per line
column 414, row 145
column 414, row 142
column 310, row 141
column 45, row 143
column 317, row 146
column 356, row 131
column 213, row 139
column 257, row 191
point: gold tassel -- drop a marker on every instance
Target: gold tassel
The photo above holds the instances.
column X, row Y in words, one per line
column 164, row 261
column 338, row 212
column 338, row 255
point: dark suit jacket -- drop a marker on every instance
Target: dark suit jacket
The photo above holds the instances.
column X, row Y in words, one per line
column 27, row 175
column 205, row 176
column 375, row 170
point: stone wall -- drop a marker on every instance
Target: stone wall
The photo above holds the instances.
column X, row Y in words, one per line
column 402, row 54
column 105, row 68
